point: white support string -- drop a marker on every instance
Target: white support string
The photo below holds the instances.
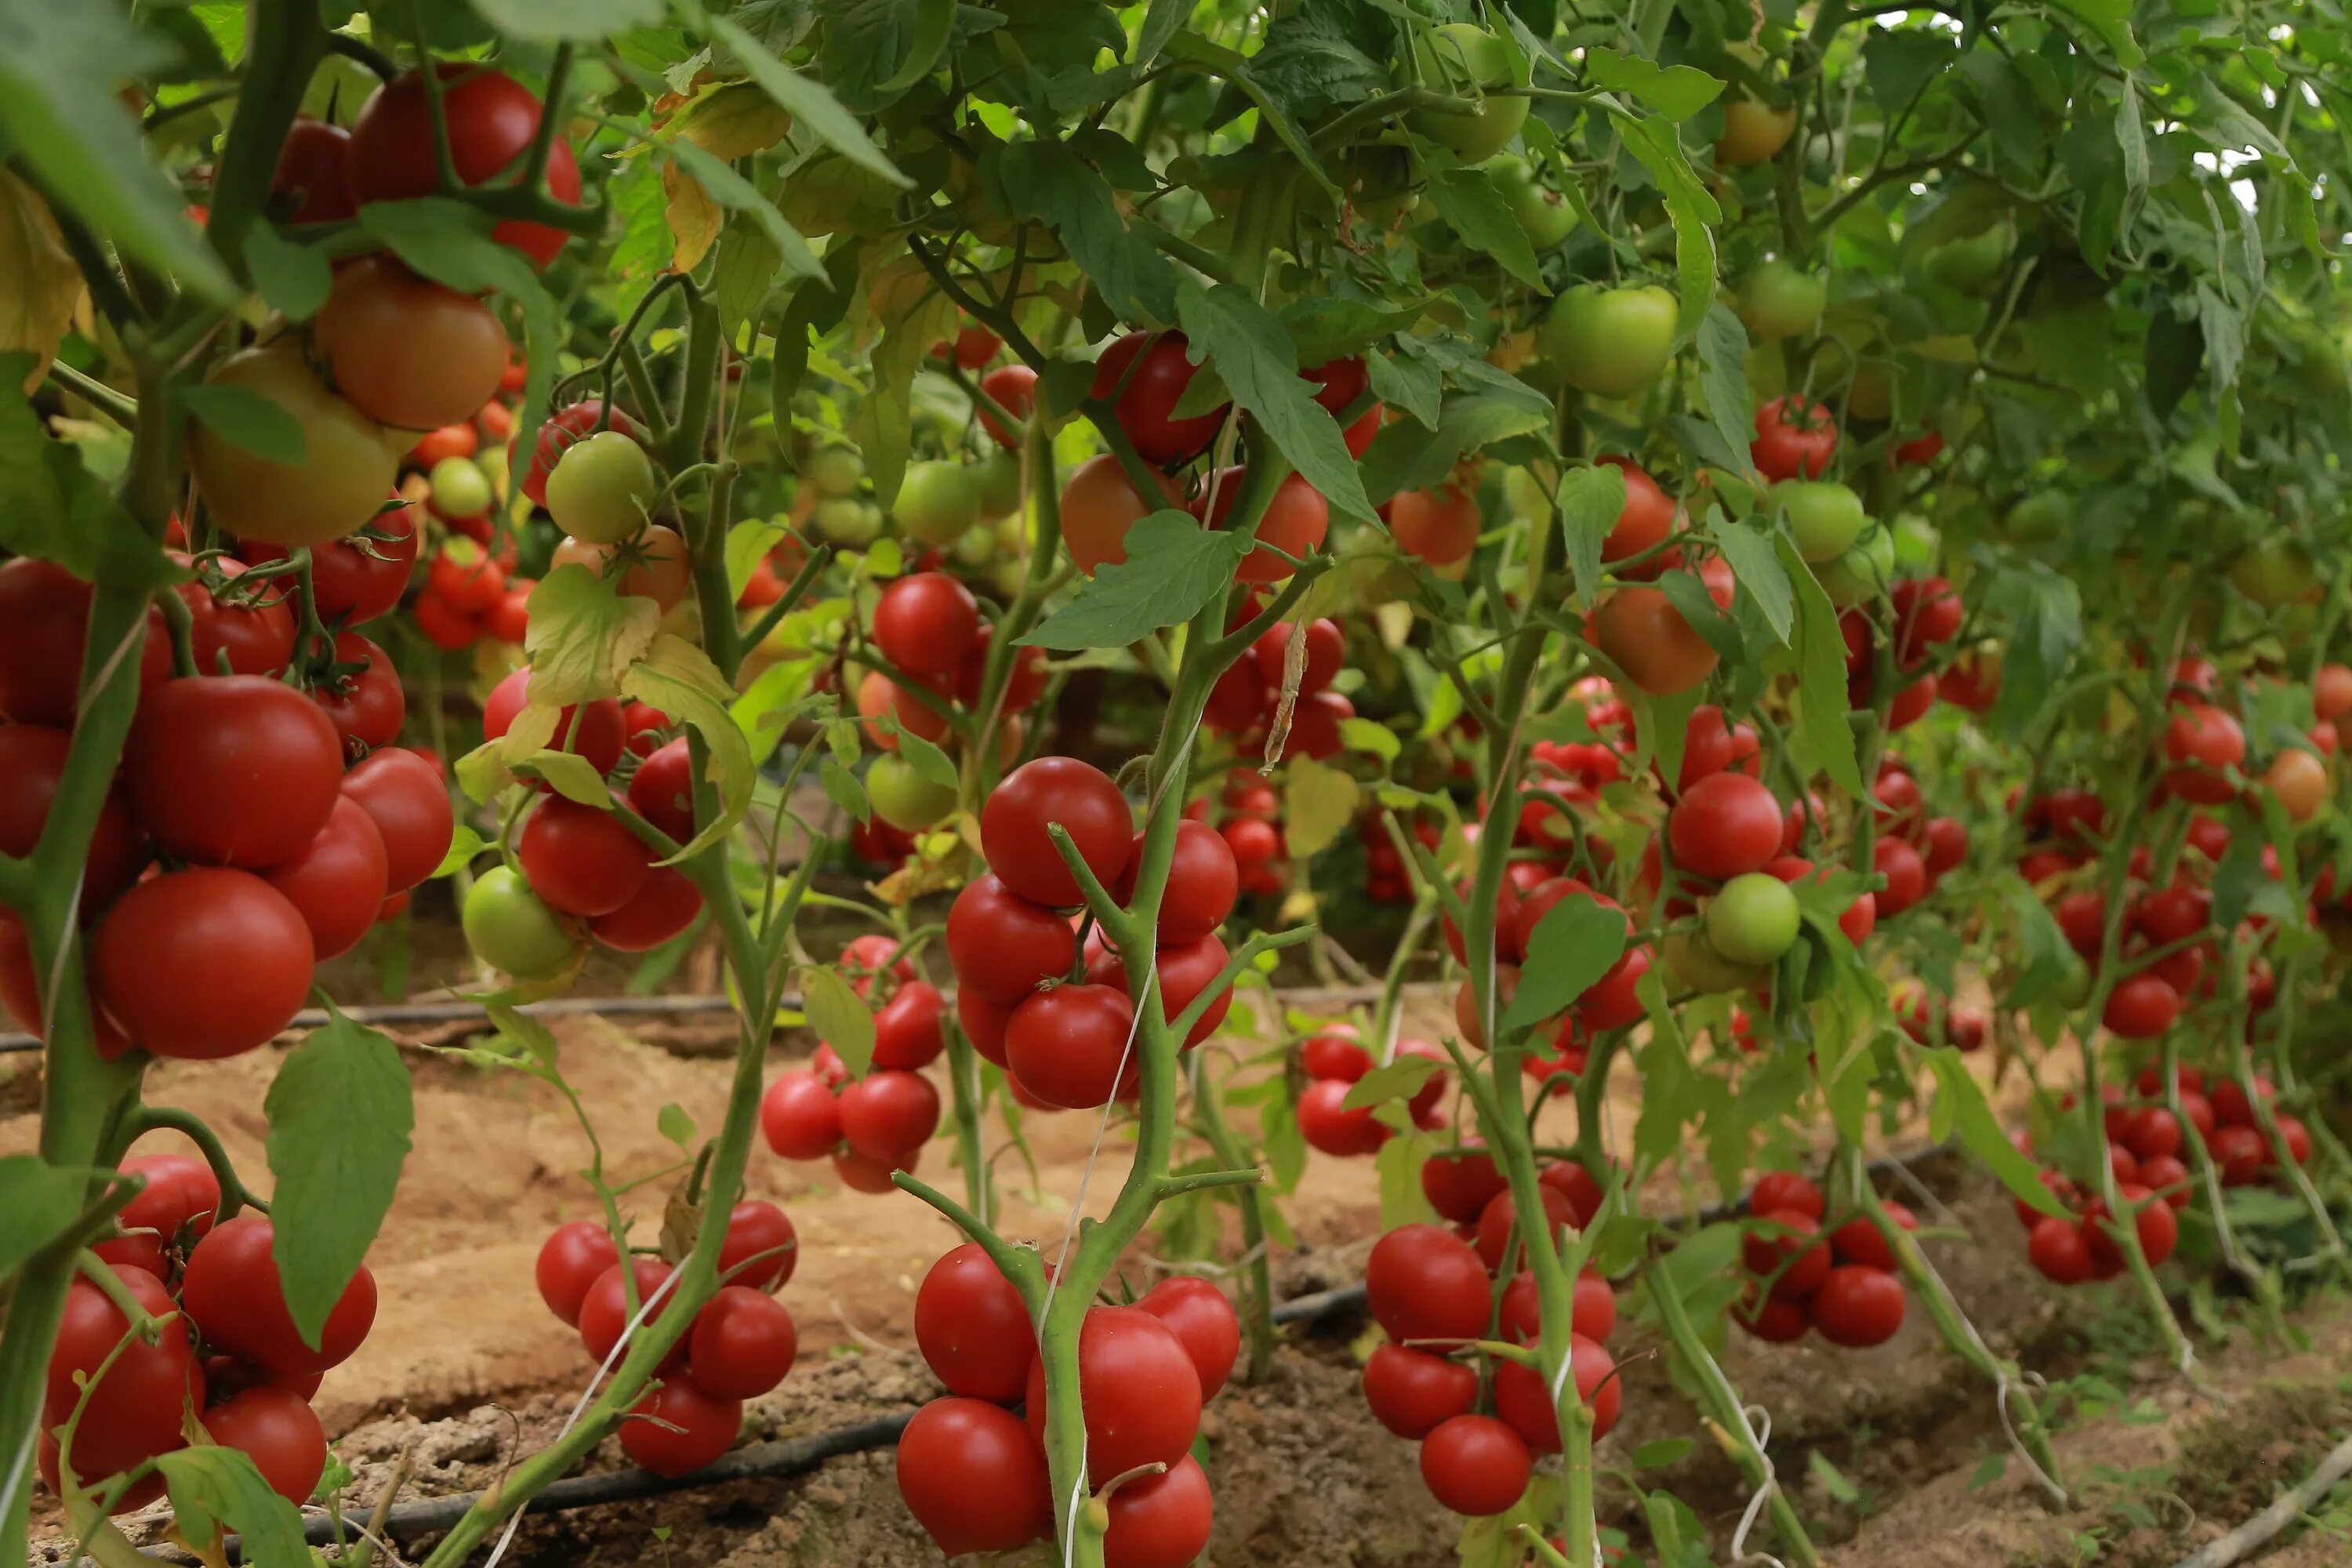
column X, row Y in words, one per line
column 1759, row 1422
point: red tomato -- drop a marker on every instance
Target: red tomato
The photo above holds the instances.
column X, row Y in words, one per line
column 888, row 1114
column 2204, row 745
column 593, row 731
column 361, row 696
column 2142, row 1007
column 580, row 860
column 1330, row 1127
column 1002, row 945
column 1793, row 440
column 1204, row 881
column 1927, row 614
column 1425, row 1283
column 1459, row 1185
column 158, row 959
column 1793, row 1262
column 604, row 1314
column 1411, row 1391
column 1439, row 526
column 1083, row 800
column 1160, row 1521
column 1645, row 520
column 973, row 1328
column 133, row 1411
column 1906, row 874
column 410, row 806
column 1786, row 1190
column 276, row 1428
column 1523, row 1399
column 32, row 765
column 571, row 1258
column 312, row 171
column 741, row 1345
column 1139, row 1390
column 1723, row 826
column 233, row 1293
column 1067, row 1045
column 338, row 883
column 907, row 1032
column 406, row 351
column 1858, row 1307
column 973, row 1478
column 43, row 626
column 1146, row 397
column 1200, row 1318
column 2059, row 1251
column 1326, row 650
column 799, row 1117
column 231, row 770
column 1474, row 1465
column 1295, row 522
column 760, row 1249
column 679, row 1427
column 491, row 119
column 926, row 623
column 1014, row 388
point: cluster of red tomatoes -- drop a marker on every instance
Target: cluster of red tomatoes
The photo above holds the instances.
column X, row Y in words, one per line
column 1250, row 822
column 740, row 1345
column 1064, row 1035
column 974, row 1473
column 1931, row 1019
column 1927, row 614
column 1386, row 878
column 1913, row 850
column 1334, row 1061
column 227, row 1352
column 578, row 872
column 1144, row 375
column 471, row 590
column 873, row 1125
column 1245, row 701
column 1432, row 1293
column 233, row 839
column 1846, row 1284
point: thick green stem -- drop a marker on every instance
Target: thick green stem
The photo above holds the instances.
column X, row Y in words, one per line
column 1257, row 1301
column 1723, row 1408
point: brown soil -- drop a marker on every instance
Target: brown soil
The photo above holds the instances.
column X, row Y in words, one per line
column 465, row 1363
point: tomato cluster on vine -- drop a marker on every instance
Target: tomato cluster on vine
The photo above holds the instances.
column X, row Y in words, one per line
column 225, row 1358
column 1846, row 1284
column 740, row 1345
column 1245, row 702
column 974, row 1473
column 1248, row 815
column 1334, row 1061
column 878, row 1123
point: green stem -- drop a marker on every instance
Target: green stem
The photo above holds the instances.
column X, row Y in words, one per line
column 1257, row 1303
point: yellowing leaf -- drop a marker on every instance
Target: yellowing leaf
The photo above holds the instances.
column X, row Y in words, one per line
column 735, row 121
column 1321, row 803
column 694, row 217
column 582, row 635
column 40, row 288
column 678, row 677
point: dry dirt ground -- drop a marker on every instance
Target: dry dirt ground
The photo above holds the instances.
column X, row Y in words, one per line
column 467, row 1367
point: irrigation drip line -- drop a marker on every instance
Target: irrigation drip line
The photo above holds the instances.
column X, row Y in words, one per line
column 461, row 1012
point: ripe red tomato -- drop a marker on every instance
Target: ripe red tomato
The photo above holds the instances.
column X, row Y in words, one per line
column 1793, row 440
column 1858, row 1307
column 1723, row 826
column 1523, row 1399
column 443, row 625
column 410, row 806
column 1474, row 1465
column 467, row 577
column 760, row 1249
column 1067, row 1045
column 1025, row 682
column 741, row 1345
column 1439, row 526
column 570, row 1259
column 1426, row 1283
column 1145, row 399
column 2059, row 1251
column 1786, row 1190
column 1326, row 650
column 579, row 859
column 313, row 170
column 1200, row 1318
column 1160, row 1521
column 252, row 631
column 1645, row 520
column 1295, row 522
column 1645, row 635
column 406, row 351
column 1411, row 1391
column 799, row 1117
column 491, row 119
column 233, row 770
column 2203, row 743
column 926, row 623
column 1460, row 1184
column 680, row 1427
column 134, row 1411
column 2141, row 1007
column 232, row 1291
column 1002, row 945
column 1906, row 874
column 277, row 1430
column 158, row 960
column 1079, row 796
column 973, row 1476
column 43, row 626
column 887, row 1114
column 1099, row 504
column 181, row 1196
column 1792, row 1259
column 1330, row 1127
column 593, row 731
column 1014, row 388
column 604, row 1310
column 1139, row 1390
column 363, row 696
column 907, row 1032
column 1593, row 1310
column 662, row 789
column 1204, row 881
column 1337, row 1053
column 972, row 1327
column 338, row 883
column 32, row 765
column 358, row 577
column 1184, row 972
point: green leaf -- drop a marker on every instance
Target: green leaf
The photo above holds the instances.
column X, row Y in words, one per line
column 1960, row 1100
column 2043, row 609
column 845, row 789
column 571, row 775
column 60, row 116
column 573, row 21
column 1689, row 204
column 464, row 844
column 53, row 507
column 678, row 677
column 1660, row 1454
column 1487, row 405
column 293, row 280
column 1407, row 382
column 1722, row 379
column 1253, row 351
column 1400, row 1080
column 41, row 1202
column 1756, row 562
column 1398, row 1164
column 1468, row 202
column 1823, row 741
column 216, row 1489
column 1591, row 501
column 244, row 417
column 2111, row 19
column 872, row 50
column 673, row 1122
column 1046, row 181
column 814, row 110
column 1572, row 947
column 929, row 762
column 838, row 1014
column 734, row 192
column 340, row 1113
column 1675, row 91
column 582, row 634
column 1317, row 807
column 1898, row 61
column 1370, row 736
column 1174, row 567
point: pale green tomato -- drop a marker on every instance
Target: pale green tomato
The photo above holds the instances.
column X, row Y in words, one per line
column 1781, row 300
column 1970, row 265
column 903, row 797
column 938, row 503
column 1754, row 919
column 2040, row 516
column 845, row 519
column 2275, row 572
column 1917, row 541
column 1012, row 533
column 602, row 487
column 510, row 929
column 1862, row 574
column 1462, row 61
column 1009, row 573
column 1000, row 485
column 460, row 487
column 836, row 470
column 1697, row 966
column 1542, row 213
column 1825, row 516
column 976, row 547
column 1611, row 342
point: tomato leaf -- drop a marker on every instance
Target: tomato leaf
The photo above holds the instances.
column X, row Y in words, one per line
column 575, row 21
column 1898, row 62
column 1675, row 91
column 1174, row 567
column 1572, row 947
column 929, row 761
column 214, row 1488
column 41, row 1201
column 1046, row 181
column 1469, row 203
column 1402, row 1199
column 1960, row 1097
column 245, row 417
column 1723, row 381
column 1590, row 500
column 571, row 775
column 1253, row 351
column 340, row 1114
column 678, row 677
column 582, row 634
column 1757, row 564
column 1409, row 382
column 1692, row 209
column 1489, row 405
column 813, row 109
column 53, row 507
column 674, row 1124
column 838, row 1014
column 731, row 190
column 1823, row 741
column 1400, row 1080
column 1318, row 805
column 1371, row 737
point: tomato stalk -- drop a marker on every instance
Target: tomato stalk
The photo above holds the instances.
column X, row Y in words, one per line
column 1257, row 1301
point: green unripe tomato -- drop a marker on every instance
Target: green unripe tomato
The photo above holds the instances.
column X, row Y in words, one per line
column 602, row 487
column 938, row 503
column 975, row 549
column 903, row 797
column 511, row 930
column 1008, row 575
column 846, row 521
column 1546, row 219
column 1825, row 516
column 1782, row 300
column 2073, row 987
column 2275, row 572
column 2040, row 516
column 1697, row 966
column 1862, row 574
column 1610, row 341
column 1000, row 485
column 460, row 487
column 1970, row 265
column 1872, row 395
column 836, row 470
column 1753, row 919
column 1464, row 61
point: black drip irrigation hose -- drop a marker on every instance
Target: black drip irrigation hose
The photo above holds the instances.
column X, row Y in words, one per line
column 798, row 1456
